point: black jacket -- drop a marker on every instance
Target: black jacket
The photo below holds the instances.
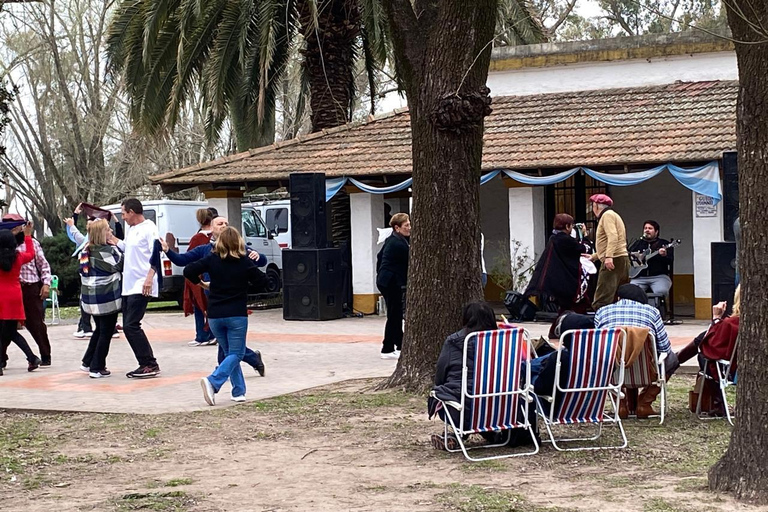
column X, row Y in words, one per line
column 392, row 262
column 228, row 296
column 558, row 269
column 449, row 364
column 658, row 265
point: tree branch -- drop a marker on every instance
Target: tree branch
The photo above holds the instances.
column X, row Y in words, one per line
column 562, row 17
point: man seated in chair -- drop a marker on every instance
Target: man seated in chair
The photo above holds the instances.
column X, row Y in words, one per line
column 632, row 310
column 656, row 278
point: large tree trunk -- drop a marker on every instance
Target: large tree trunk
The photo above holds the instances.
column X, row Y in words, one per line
column 743, row 470
column 329, row 58
column 442, row 52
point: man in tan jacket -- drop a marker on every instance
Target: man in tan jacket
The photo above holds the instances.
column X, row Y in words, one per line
column 611, row 245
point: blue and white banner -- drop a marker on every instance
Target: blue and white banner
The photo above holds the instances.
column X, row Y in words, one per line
column 704, row 180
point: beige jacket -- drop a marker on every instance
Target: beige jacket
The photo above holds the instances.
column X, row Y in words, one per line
column 611, row 237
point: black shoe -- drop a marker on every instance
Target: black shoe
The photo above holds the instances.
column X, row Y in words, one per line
column 143, row 372
column 1, row 371
column 100, row 374
column 260, row 364
column 34, row 364
column 46, row 361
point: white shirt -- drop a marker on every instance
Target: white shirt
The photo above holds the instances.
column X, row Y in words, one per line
column 139, row 242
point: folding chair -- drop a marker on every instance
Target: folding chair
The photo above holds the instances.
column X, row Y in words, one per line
column 639, row 374
column 723, row 377
column 53, row 302
column 501, row 390
column 596, row 373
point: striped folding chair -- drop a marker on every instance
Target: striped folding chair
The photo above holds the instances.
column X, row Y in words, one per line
column 640, row 374
column 596, row 372
column 500, row 390
column 721, row 372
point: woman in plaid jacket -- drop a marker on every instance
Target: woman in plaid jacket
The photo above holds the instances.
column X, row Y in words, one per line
column 101, row 264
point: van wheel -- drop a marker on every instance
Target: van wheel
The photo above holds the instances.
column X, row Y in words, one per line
column 273, row 278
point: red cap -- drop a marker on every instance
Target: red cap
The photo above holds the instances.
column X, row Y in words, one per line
column 13, row 216
column 601, row 199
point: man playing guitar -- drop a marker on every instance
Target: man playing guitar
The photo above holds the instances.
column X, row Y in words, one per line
column 656, row 277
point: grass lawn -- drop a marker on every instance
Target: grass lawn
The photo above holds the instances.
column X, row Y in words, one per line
column 73, row 312
column 343, row 447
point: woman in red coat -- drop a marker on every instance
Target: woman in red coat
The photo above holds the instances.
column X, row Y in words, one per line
column 195, row 299
column 719, row 341
column 11, row 305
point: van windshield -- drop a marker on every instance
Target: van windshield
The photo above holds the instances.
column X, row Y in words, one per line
column 148, row 214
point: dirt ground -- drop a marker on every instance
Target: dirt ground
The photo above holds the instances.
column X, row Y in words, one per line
column 343, row 447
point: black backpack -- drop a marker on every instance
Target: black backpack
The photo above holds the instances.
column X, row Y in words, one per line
column 520, row 308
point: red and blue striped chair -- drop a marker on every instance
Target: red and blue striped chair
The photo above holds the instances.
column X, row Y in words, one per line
column 500, row 390
column 596, row 373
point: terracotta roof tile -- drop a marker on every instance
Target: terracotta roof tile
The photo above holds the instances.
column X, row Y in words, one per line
column 680, row 122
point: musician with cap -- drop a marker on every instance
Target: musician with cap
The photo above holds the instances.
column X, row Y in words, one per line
column 656, row 277
column 611, row 245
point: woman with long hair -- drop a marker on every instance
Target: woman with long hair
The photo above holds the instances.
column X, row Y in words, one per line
column 101, row 264
column 230, row 274
column 195, row 299
column 391, row 279
column 11, row 305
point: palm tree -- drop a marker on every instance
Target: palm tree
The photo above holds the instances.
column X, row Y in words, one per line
column 235, row 52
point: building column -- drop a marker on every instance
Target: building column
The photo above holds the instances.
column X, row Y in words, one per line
column 367, row 214
column 707, row 228
column 526, row 221
column 228, row 204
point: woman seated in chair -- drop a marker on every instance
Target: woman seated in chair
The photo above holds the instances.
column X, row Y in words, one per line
column 476, row 316
column 718, row 342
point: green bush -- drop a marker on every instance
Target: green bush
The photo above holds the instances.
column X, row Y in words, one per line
column 58, row 251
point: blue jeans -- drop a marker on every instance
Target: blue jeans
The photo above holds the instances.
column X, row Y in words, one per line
column 250, row 358
column 230, row 332
column 201, row 335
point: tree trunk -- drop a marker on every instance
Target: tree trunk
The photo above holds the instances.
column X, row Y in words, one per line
column 442, row 52
column 742, row 470
column 329, row 58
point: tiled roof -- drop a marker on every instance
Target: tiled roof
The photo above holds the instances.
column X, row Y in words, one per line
column 680, row 122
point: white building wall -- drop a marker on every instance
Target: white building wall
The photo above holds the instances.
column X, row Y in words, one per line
column 705, row 231
column 526, row 219
column 494, row 215
column 366, row 214
column 612, row 75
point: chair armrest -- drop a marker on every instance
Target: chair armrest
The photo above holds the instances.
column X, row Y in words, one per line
column 663, row 357
column 455, row 405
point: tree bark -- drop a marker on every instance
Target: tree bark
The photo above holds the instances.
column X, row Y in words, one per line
column 743, row 470
column 330, row 35
column 442, row 52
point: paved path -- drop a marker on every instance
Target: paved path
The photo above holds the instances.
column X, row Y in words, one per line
column 297, row 355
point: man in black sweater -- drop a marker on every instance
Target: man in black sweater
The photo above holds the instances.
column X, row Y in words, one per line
column 657, row 277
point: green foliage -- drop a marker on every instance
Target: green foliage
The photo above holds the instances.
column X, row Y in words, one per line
column 6, row 97
column 58, row 251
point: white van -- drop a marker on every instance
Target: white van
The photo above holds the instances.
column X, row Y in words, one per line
column 276, row 214
column 178, row 217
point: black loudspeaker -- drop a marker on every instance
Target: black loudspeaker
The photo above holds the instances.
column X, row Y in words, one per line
column 313, row 284
column 309, row 228
column 723, row 272
column 730, row 192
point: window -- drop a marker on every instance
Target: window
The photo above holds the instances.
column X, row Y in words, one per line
column 277, row 219
column 253, row 225
column 148, row 214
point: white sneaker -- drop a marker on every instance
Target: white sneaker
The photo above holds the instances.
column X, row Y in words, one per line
column 84, row 368
column 212, row 342
column 81, row 334
column 208, row 393
column 240, row 398
column 116, row 334
column 195, row 344
column 390, row 355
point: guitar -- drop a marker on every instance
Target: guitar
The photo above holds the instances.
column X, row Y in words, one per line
column 639, row 260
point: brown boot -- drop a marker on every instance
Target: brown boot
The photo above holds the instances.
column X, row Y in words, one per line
column 645, row 400
column 631, row 400
column 623, row 412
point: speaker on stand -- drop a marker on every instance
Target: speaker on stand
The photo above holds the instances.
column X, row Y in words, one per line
column 312, row 272
column 723, row 272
